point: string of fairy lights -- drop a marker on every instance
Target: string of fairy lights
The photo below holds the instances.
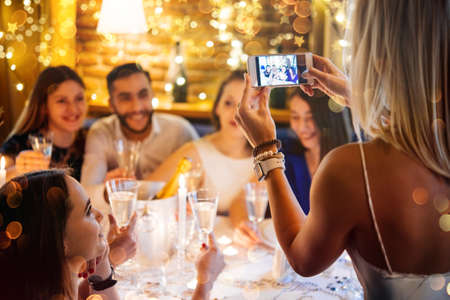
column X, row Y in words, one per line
column 235, row 26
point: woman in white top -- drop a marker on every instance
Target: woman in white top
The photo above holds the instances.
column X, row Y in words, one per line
column 385, row 201
column 223, row 156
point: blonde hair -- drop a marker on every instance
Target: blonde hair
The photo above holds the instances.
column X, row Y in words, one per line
column 399, row 76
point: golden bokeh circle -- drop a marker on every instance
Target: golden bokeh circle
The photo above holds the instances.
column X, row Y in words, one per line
column 287, row 11
column 55, row 195
column 302, row 25
column 334, row 106
column 444, row 222
column 5, row 241
column 253, row 48
column 14, row 199
column 14, row 230
column 420, row 196
column 19, row 17
column 205, row 6
column 441, row 203
column 303, row 9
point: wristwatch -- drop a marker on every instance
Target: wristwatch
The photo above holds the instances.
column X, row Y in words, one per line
column 98, row 284
column 263, row 167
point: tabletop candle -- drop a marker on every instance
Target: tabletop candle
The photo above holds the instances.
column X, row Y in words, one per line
column 2, row 171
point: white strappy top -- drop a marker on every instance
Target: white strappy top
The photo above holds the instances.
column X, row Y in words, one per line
column 226, row 175
column 381, row 284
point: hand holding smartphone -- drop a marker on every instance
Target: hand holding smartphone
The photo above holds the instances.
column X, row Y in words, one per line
column 279, row 70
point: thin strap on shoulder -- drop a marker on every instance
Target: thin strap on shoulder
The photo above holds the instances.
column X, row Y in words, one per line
column 372, row 211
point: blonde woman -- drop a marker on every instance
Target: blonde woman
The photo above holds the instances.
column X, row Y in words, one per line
column 384, row 201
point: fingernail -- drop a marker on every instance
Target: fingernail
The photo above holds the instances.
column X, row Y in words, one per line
column 203, row 245
column 85, row 275
column 91, row 270
column 80, row 275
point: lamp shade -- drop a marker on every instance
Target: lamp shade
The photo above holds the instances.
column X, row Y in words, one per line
column 122, row 17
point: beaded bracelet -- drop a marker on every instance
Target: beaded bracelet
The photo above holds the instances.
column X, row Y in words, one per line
column 276, row 142
column 268, row 154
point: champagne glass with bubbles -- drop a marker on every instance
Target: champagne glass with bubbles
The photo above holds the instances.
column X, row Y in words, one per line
column 204, row 204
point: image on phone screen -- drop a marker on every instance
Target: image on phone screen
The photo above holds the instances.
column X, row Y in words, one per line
column 277, row 70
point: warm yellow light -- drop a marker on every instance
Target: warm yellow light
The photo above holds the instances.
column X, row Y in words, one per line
column 202, row 96
column 158, row 10
column 181, row 80
column 225, row 13
column 8, row 2
column 19, row 87
column 122, row 17
column 13, row 67
column 9, row 55
column 236, row 43
column 94, row 96
column 232, row 62
column 222, row 26
column 209, row 44
column 242, row 4
column 26, row 2
column 178, row 59
column 194, row 24
column 1, row 34
column 343, row 43
column 168, row 87
column 155, row 102
column 340, row 18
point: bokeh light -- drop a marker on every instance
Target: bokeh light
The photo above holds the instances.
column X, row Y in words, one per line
column 302, row 25
column 303, row 9
column 420, row 196
column 14, row 230
column 95, row 297
column 444, row 222
column 14, row 199
column 5, row 240
column 437, row 282
column 19, row 17
column 441, row 203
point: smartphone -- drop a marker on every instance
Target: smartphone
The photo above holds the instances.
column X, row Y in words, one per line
column 279, row 70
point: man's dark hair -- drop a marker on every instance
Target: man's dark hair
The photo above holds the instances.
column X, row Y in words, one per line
column 124, row 70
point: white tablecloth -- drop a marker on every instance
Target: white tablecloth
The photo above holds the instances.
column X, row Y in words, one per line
column 252, row 278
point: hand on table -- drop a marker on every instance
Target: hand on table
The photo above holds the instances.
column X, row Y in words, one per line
column 253, row 114
column 327, row 78
column 30, row 160
column 121, row 240
column 246, row 235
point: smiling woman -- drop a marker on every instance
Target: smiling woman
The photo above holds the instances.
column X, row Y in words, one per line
column 57, row 107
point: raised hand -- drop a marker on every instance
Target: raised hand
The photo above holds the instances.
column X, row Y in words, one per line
column 30, row 160
column 253, row 114
column 329, row 79
column 121, row 240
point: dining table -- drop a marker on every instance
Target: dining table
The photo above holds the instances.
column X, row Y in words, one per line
column 248, row 274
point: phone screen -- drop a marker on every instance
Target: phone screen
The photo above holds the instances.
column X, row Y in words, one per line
column 280, row 70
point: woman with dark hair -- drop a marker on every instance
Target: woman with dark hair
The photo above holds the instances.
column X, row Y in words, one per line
column 224, row 157
column 318, row 131
column 57, row 107
column 50, row 237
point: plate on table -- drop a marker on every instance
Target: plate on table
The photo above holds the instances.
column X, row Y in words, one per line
column 268, row 232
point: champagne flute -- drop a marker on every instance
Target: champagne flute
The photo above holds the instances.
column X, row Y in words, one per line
column 122, row 194
column 128, row 153
column 204, row 207
column 256, row 199
column 42, row 143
